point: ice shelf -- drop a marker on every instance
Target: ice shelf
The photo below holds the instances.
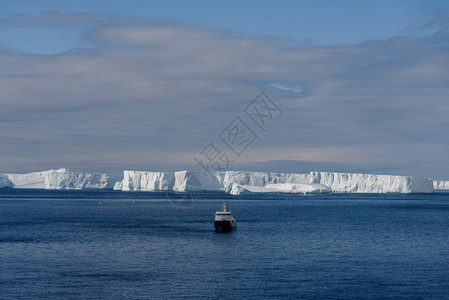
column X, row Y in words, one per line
column 59, row 179
column 234, row 182
column 441, row 184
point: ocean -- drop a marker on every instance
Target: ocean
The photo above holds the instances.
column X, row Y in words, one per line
column 140, row 245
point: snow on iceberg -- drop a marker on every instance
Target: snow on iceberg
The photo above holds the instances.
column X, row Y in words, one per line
column 62, row 179
column 441, row 185
column 237, row 182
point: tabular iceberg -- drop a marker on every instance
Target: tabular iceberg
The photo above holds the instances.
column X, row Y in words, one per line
column 236, row 182
column 441, row 185
column 60, row 179
column 145, row 181
column 370, row 183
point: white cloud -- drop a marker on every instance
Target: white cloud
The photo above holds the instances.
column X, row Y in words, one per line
column 154, row 93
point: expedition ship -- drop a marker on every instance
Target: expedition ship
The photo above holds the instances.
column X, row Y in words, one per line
column 224, row 220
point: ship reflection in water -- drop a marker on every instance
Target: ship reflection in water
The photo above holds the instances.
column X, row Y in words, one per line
column 224, row 220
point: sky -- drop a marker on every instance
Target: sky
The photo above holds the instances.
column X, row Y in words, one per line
column 104, row 86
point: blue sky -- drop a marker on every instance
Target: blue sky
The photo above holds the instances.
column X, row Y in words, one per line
column 113, row 85
column 317, row 22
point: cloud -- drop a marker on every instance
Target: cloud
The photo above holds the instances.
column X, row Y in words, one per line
column 434, row 22
column 56, row 18
column 287, row 86
column 156, row 93
column 379, row 59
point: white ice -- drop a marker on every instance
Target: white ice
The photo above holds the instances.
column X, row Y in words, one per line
column 301, row 188
column 441, row 185
column 239, row 181
column 234, row 182
column 61, row 179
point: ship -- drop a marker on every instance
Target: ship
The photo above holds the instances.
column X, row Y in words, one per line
column 224, row 220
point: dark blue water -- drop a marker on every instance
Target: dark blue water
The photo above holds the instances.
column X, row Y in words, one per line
column 116, row 245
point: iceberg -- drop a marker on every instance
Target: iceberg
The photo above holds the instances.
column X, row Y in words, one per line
column 37, row 180
column 370, row 183
column 441, row 185
column 61, row 179
column 236, row 182
column 145, row 181
column 180, row 181
column 233, row 182
column 4, row 181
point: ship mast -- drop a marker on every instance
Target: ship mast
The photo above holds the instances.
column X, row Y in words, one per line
column 225, row 205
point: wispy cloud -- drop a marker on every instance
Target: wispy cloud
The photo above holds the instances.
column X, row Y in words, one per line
column 433, row 22
column 287, row 86
column 377, row 60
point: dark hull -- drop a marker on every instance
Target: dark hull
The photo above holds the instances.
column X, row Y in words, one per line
column 225, row 226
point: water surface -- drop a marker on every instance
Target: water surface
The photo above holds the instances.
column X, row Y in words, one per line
column 118, row 245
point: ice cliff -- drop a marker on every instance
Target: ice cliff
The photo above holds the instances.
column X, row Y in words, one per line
column 369, row 183
column 59, row 179
column 441, row 185
column 145, row 181
column 234, row 182
column 237, row 182
column 4, row 181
